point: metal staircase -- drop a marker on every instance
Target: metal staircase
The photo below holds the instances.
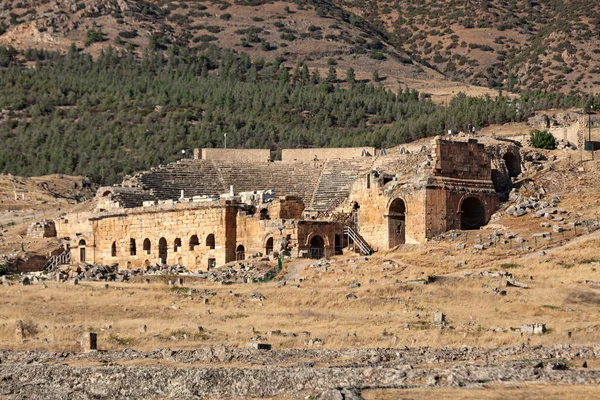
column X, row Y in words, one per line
column 364, row 247
column 54, row 261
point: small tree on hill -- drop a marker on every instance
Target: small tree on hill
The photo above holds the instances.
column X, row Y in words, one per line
column 543, row 140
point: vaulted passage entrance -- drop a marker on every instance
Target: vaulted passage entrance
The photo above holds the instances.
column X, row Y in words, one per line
column 472, row 214
column 162, row 250
column 317, row 247
column 397, row 223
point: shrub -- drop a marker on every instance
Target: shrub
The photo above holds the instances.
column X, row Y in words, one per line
column 543, row 140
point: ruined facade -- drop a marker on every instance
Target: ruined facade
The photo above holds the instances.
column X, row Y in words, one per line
column 223, row 205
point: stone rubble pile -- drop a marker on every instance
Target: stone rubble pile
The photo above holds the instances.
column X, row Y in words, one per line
column 241, row 272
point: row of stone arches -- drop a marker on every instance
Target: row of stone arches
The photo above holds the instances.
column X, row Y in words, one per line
column 163, row 246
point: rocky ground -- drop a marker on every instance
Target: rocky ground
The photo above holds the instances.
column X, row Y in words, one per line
column 221, row 372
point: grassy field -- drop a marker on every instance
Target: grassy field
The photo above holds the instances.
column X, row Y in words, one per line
column 388, row 310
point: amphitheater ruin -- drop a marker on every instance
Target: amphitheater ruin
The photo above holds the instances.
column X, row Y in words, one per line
column 228, row 204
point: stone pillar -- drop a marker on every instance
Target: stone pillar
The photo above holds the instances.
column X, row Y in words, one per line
column 197, row 154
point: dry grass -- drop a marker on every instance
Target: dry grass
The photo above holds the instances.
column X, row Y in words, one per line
column 385, row 314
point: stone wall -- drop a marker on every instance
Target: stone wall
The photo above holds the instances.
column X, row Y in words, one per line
column 325, row 153
column 233, row 154
column 43, row 229
column 462, row 160
column 444, row 200
column 179, row 223
column 373, row 212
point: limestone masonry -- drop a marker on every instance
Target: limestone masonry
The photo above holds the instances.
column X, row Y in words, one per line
column 225, row 205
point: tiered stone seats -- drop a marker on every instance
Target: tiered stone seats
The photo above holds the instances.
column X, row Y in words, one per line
column 336, row 181
column 285, row 178
column 214, row 177
column 195, row 178
column 131, row 197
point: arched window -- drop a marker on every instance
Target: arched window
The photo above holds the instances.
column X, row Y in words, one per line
column 210, row 241
column 194, row 242
column 162, row 250
column 132, row 247
column 177, row 244
column 113, row 249
column 147, row 246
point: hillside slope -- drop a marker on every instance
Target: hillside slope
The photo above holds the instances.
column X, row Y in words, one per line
column 512, row 45
column 515, row 45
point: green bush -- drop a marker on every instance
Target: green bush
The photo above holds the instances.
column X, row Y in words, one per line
column 3, row 269
column 543, row 140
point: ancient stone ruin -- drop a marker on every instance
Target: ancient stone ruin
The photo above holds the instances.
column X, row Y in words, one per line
column 228, row 204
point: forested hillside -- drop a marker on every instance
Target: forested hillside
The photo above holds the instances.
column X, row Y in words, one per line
column 119, row 113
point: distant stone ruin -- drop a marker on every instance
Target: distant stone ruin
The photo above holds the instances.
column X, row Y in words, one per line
column 229, row 204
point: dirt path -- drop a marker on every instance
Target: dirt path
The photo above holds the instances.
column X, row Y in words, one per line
column 295, row 269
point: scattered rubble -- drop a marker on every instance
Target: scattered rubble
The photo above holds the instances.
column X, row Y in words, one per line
column 246, row 372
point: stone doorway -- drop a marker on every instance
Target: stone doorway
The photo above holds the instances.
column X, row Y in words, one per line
column 162, row 250
column 397, row 223
column 472, row 214
column 269, row 246
column 317, row 247
column 337, row 244
column 82, row 250
column 240, row 253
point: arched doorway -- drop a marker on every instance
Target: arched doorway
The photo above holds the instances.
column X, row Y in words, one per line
column 472, row 214
column 162, row 250
column 337, row 244
column 397, row 223
column 269, row 246
column 513, row 165
column 113, row 249
column 82, row 250
column 317, row 247
column 194, row 242
column 210, row 241
column 177, row 245
column 240, row 253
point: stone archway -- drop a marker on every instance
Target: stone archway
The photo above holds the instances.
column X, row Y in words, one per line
column 82, row 250
column 317, row 247
column 472, row 213
column 162, row 250
column 396, row 223
column 210, row 241
column 240, row 253
column 194, row 241
column 269, row 246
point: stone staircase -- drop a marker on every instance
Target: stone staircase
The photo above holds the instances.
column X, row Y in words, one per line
column 336, row 180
